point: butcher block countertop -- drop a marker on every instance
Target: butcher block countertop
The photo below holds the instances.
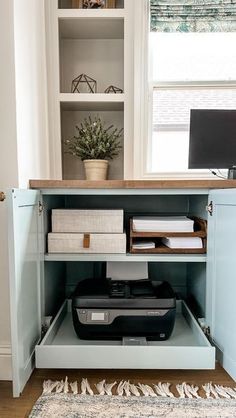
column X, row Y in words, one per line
column 132, row 184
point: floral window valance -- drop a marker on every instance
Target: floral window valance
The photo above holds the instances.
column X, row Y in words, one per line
column 193, row 15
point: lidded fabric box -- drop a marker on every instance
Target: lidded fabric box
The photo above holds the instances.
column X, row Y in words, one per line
column 87, row 231
column 104, row 221
column 86, row 243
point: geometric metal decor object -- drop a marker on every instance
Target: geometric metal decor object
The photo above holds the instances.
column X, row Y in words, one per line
column 113, row 89
column 83, row 84
column 93, row 4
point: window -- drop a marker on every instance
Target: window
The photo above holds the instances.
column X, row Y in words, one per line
column 186, row 71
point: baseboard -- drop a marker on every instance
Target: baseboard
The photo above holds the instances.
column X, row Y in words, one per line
column 227, row 363
column 5, row 362
column 230, row 366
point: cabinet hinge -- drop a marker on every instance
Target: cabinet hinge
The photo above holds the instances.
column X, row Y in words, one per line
column 40, row 207
column 209, row 208
column 205, row 328
column 46, row 323
column 43, row 330
column 207, row 332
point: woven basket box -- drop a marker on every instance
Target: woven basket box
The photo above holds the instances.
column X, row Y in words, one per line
column 86, row 243
column 88, row 221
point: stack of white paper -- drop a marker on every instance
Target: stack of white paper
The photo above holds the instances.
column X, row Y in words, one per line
column 127, row 270
column 143, row 245
column 163, row 224
column 182, row 242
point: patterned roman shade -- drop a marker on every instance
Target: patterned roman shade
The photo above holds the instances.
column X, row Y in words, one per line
column 193, row 15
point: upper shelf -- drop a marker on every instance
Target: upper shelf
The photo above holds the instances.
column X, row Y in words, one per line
column 96, row 102
column 77, row 4
column 91, row 24
column 91, row 13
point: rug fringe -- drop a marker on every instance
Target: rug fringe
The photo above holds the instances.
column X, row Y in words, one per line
column 100, row 387
column 108, row 388
column 134, row 390
column 86, row 388
column 74, row 387
column 125, row 388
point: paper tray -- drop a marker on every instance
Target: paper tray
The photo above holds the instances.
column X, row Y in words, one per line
column 200, row 230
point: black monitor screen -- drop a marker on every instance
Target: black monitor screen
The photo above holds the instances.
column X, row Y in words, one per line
column 212, row 140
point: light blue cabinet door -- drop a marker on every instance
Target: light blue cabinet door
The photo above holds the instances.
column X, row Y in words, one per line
column 221, row 276
column 24, row 282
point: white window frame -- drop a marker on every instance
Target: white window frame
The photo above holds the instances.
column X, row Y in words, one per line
column 143, row 90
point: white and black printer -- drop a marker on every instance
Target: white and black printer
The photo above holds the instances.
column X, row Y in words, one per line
column 105, row 309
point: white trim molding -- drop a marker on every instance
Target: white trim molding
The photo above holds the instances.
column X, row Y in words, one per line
column 143, row 90
column 141, row 99
column 5, row 362
column 53, row 82
column 128, row 87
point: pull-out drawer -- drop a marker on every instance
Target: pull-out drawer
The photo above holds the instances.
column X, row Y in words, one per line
column 187, row 348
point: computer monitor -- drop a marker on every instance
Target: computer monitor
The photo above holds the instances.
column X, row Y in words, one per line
column 212, row 139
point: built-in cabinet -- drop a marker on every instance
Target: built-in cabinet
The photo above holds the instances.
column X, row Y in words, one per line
column 41, row 283
column 98, row 43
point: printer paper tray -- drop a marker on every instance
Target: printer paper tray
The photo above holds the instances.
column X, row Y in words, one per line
column 187, row 348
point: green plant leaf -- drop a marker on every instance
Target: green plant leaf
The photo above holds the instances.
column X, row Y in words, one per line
column 94, row 141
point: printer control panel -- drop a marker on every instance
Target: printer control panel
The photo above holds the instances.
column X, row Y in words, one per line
column 89, row 316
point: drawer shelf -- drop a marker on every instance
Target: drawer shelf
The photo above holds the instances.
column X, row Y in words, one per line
column 187, row 348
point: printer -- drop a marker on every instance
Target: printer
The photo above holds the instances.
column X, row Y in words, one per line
column 105, row 309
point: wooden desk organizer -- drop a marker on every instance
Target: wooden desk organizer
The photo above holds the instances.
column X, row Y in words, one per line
column 200, row 230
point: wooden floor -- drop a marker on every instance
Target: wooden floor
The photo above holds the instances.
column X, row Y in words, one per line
column 20, row 407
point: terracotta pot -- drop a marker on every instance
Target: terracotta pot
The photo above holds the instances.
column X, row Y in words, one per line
column 95, row 169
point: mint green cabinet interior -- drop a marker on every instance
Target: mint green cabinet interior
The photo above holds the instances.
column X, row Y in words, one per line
column 41, row 283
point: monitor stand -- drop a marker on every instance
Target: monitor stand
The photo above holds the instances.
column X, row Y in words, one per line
column 232, row 172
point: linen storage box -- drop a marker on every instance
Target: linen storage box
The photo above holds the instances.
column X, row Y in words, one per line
column 88, row 221
column 86, row 243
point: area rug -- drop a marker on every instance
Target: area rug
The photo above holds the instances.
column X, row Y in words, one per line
column 133, row 401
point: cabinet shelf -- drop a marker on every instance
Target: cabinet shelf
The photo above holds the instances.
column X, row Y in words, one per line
column 91, row 24
column 96, row 102
column 91, row 13
column 189, row 258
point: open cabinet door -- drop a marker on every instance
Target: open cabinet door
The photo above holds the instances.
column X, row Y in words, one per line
column 221, row 276
column 24, row 224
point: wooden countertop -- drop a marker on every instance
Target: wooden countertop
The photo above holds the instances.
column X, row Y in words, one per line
column 132, row 184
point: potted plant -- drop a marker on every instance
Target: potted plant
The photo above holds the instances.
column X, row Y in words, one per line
column 95, row 144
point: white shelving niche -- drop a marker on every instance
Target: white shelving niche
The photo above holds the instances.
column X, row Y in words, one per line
column 95, row 42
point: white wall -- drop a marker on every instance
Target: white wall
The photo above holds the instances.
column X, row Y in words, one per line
column 8, row 169
column 23, row 125
column 31, row 90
